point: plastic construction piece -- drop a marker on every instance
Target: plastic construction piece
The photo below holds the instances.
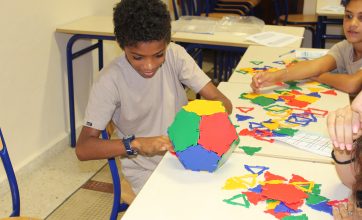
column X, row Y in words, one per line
column 293, row 85
column 330, row 92
column 256, row 62
column 263, row 101
column 184, row 131
column 283, row 208
column 240, row 182
column 191, row 159
column 250, row 150
column 217, row 132
column 204, row 107
column 304, row 186
column 253, row 125
column 203, row 135
column 256, row 169
column 244, row 202
column 318, row 112
column 286, row 193
column 325, row 86
column 323, row 206
column 270, row 176
column 286, row 131
column 241, row 71
column 315, row 199
column 254, row 198
column 315, row 94
column 295, row 119
column 276, row 108
column 337, row 202
column 245, row 109
column 243, row 117
column 296, row 217
column 256, row 189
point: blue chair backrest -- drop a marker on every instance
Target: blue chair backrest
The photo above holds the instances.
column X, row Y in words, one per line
column 191, row 7
column 11, row 177
column 281, row 7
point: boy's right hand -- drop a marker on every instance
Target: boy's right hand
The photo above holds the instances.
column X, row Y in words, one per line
column 263, row 79
column 151, row 146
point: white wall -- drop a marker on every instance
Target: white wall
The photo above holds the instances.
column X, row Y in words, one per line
column 33, row 88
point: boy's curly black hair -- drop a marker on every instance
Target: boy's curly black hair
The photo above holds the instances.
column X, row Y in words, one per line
column 141, row 21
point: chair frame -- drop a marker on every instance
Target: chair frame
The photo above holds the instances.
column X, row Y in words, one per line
column 117, row 206
column 13, row 184
column 281, row 8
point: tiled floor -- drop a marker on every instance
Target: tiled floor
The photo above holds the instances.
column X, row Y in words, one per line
column 43, row 187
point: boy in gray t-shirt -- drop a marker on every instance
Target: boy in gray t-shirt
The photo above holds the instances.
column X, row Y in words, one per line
column 141, row 91
column 345, row 57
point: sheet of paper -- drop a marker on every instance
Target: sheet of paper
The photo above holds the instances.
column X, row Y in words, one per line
column 310, row 54
column 336, row 8
column 273, row 39
column 309, row 142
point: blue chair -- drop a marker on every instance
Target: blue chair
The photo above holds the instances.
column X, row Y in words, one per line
column 117, row 205
column 283, row 17
column 202, row 8
column 11, row 177
column 241, row 7
column 226, row 58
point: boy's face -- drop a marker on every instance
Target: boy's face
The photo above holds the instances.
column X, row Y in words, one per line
column 146, row 57
column 352, row 22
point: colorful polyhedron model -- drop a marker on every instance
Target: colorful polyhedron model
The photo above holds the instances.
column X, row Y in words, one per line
column 203, row 135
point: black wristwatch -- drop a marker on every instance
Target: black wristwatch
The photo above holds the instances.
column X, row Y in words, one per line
column 127, row 144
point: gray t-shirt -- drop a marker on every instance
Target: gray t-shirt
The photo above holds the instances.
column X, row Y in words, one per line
column 343, row 54
column 140, row 106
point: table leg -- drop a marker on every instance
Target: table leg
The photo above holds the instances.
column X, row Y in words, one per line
column 70, row 56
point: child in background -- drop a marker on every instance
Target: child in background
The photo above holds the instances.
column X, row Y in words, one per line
column 345, row 130
column 141, row 91
column 344, row 56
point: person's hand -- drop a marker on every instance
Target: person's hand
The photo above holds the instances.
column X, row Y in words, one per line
column 343, row 127
column 150, row 146
column 263, row 79
column 343, row 211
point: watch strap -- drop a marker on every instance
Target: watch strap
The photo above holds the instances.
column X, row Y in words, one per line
column 127, row 144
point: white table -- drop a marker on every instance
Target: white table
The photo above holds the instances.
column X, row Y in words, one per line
column 175, row 193
column 279, row 149
column 229, row 39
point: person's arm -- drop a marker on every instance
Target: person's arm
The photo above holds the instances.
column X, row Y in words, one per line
column 210, row 92
column 346, row 172
column 343, row 127
column 298, row 71
column 91, row 147
column 349, row 83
